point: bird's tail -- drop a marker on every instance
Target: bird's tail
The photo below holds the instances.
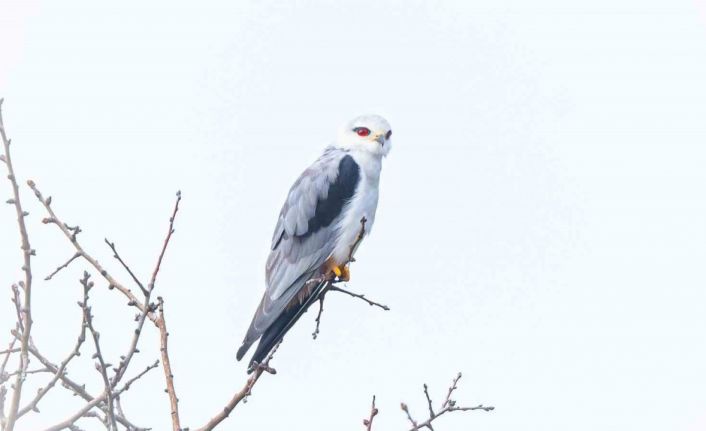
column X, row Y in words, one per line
column 274, row 334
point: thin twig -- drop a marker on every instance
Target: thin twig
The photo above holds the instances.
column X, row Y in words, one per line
column 10, row 350
column 128, row 383
column 373, row 412
column 318, row 316
column 452, row 388
column 125, row 359
column 358, row 240
column 18, row 310
column 242, row 394
column 166, row 365
column 101, row 365
column 125, row 265
column 359, row 296
column 432, row 415
column 27, row 252
column 89, row 414
column 28, row 372
column 405, row 409
column 62, row 266
column 150, row 286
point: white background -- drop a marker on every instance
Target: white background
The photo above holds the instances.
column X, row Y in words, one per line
column 541, row 227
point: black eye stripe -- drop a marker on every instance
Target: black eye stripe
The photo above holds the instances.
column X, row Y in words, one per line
column 388, row 134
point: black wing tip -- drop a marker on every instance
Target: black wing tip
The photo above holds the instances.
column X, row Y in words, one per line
column 242, row 351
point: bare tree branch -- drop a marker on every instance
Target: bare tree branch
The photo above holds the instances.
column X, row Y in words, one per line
column 129, row 383
column 101, row 365
column 69, row 422
column 60, row 374
column 70, row 233
column 147, row 310
column 78, row 389
column 243, row 393
column 449, row 405
column 162, row 323
column 141, row 317
column 32, row 405
column 27, row 252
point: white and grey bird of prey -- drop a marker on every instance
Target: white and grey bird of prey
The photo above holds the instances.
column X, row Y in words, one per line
column 318, row 224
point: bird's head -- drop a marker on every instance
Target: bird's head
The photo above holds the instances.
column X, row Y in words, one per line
column 366, row 133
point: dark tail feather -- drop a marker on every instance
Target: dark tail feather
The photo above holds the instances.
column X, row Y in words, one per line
column 279, row 328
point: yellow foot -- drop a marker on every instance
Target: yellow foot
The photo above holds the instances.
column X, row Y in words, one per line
column 344, row 273
column 341, row 273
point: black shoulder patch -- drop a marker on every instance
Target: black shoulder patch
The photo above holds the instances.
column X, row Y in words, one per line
column 339, row 192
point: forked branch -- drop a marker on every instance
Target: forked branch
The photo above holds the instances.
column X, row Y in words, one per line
column 449, row 405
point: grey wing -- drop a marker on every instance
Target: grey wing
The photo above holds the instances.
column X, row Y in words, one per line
column 305, row 234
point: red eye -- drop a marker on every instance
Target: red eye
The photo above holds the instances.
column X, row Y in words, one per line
column 362, row 131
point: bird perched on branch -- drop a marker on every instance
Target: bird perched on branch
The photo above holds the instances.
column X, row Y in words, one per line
column 330, row 205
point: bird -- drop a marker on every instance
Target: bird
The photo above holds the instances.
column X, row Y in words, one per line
column 328, row 211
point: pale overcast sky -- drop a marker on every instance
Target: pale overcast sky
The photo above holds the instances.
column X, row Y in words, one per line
column 542, row 219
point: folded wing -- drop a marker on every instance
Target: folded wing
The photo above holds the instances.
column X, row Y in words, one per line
column 305, row 236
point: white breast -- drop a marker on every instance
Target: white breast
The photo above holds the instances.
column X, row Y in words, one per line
column 363, row 204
